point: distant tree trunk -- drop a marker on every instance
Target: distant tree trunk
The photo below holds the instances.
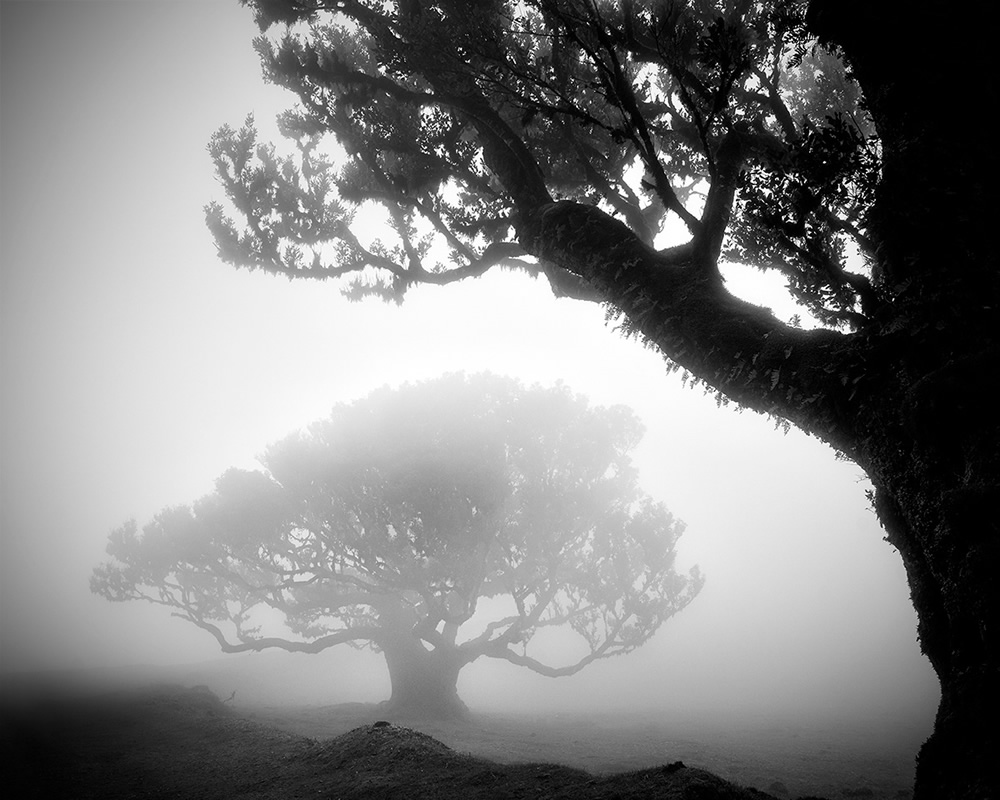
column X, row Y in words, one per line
column 424, row 682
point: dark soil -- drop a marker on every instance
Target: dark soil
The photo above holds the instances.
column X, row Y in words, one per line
column 170, row 742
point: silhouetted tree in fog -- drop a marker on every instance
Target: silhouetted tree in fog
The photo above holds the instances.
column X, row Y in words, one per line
column 841, row 143
column 387, row 524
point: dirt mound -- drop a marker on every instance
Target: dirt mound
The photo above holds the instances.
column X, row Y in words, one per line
column 384, row 760
column 168, row 742
column 385, row 741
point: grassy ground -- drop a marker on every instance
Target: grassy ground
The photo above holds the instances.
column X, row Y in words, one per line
column 783, row 762
column 170, row 742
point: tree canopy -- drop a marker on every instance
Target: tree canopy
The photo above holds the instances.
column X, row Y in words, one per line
column 454, row 118
column 439, row 523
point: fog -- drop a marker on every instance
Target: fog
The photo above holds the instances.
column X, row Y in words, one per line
column 136, row 368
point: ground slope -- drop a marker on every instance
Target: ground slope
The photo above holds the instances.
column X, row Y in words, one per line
column 169, row 742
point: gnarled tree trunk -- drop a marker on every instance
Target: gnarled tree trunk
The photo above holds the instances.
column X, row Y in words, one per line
column 931, row 440
column 933, row 457
column 424, row 682
column 933, row 449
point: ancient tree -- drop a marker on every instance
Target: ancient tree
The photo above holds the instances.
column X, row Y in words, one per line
column 438, row 524
column 625, row 150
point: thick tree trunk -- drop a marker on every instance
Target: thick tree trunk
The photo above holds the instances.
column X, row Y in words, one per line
column 424, row 682
column 930, row 438
column 935, row 468
column 948, row 538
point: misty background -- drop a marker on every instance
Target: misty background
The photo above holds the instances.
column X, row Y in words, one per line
column 136, row 368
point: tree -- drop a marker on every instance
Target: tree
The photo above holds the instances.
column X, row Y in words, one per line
column 624, row 150
column 410, row 517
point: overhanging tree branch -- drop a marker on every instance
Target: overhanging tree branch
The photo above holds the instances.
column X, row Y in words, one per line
column 289, row 645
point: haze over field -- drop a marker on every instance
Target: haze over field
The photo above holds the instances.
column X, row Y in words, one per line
column 136, row 368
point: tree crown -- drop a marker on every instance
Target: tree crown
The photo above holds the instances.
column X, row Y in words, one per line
column 404, row 511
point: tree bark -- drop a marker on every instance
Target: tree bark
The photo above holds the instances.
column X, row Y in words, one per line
column 927, row 431
column 931, row 444
column 424, row 682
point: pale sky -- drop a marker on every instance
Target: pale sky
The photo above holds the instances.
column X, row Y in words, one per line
column 136, row 368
